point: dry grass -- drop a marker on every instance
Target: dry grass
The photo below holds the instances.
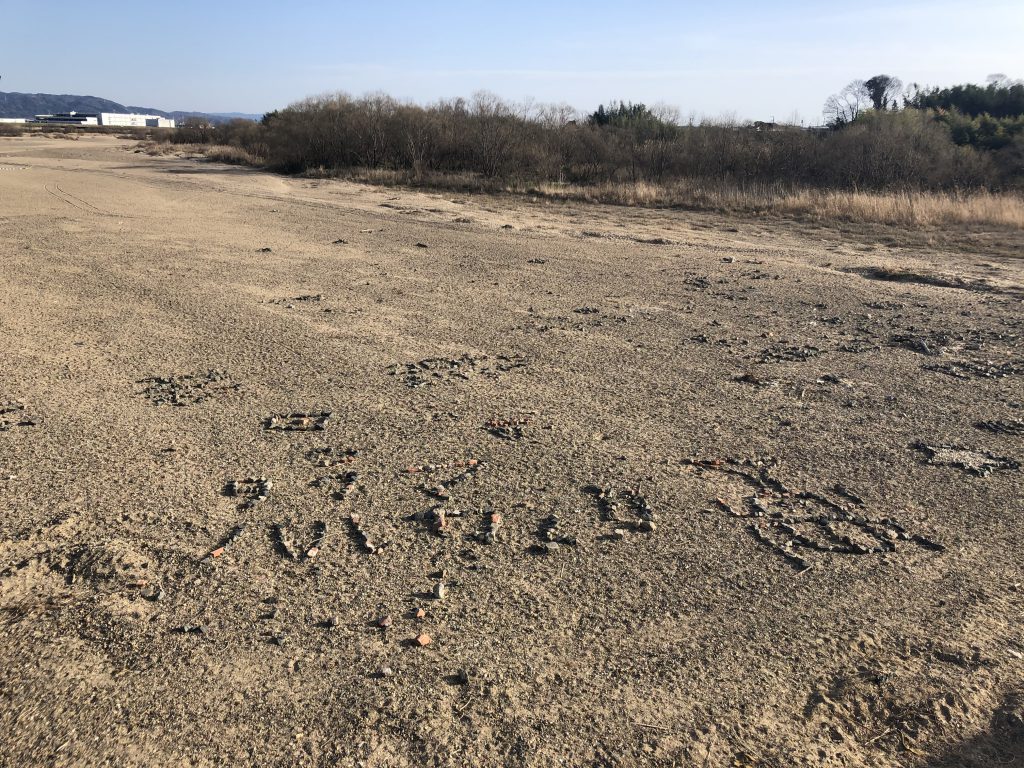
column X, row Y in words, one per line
column 917, row 209
column 908, row 209
column 219, row 153
column 232, row 155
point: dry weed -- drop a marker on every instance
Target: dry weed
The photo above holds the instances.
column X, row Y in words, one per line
column 917, row 209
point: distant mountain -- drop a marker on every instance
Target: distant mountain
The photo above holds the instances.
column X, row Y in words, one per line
column 32, row 104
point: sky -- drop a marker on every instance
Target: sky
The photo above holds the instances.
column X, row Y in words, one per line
column 746, row 59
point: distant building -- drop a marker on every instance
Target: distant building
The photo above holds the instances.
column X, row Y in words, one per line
column 135, row 121
column 106, row 118
column 13, row 120
column 69, row 118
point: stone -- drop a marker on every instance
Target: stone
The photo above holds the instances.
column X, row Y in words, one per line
column 152, row 592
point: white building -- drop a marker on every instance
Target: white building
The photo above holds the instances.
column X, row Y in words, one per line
column 13, row 120
column 135, row 121
column 69, row 118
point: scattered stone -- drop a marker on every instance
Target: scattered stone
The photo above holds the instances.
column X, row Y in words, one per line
column 185, row 390
column 309, row 297
column 298, row 422
column 759, row 383
column 442, row 490
column 250, row 490
column 13, row 414
column 436, row 519
column 789, row 521
column 831, row 378
column 332, row 457
column 435, row 370
column 1007, row 427
column 288, row 545
column 845, row 492
column 385, row 621
column 357, row 532
column 339, row 241
column 420, row 613
column 790, row 354
column 153, row 592
column 611, row 502
column 339, row 484
column 225, row 543
column 507, row 429
column 981, row 369
column 551, row 536
column 977, row 463
column 385, row 672
column 440, row 591
column 263, row 250
column 422, row 639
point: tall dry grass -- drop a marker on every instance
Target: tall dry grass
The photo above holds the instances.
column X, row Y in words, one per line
column 912, row 209
column 219, row 153
column 907, row 208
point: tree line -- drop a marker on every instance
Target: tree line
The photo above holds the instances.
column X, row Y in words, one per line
column 880, row 136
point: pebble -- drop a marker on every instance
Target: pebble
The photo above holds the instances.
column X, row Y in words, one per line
column 422, row 639
column 440, row 590
column 152, row 592
column 385, row 621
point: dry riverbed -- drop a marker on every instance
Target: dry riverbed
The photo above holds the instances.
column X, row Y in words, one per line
column 299, row 472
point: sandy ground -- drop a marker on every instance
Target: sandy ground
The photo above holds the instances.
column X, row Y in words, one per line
column 665, row 488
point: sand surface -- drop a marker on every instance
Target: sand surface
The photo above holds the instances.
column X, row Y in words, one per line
column 668, row 488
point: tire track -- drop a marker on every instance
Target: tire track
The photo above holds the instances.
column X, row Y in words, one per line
column 79, row 203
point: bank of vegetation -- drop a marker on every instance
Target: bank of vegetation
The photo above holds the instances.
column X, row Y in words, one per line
column 909, row 155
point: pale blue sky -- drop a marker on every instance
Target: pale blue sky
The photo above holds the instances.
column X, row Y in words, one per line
column 744, row 58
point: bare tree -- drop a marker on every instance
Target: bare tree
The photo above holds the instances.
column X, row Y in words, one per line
column 845, row 107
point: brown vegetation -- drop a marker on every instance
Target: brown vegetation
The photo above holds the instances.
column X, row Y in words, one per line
column 906, row 208
column 888, row 167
